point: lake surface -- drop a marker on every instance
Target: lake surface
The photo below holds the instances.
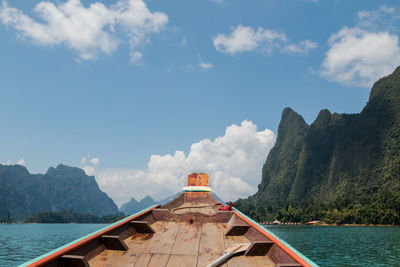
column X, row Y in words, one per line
column 22, row 242
column 344, row 245
column 326, row 246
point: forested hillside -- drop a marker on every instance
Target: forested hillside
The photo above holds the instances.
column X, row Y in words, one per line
column 343, row 168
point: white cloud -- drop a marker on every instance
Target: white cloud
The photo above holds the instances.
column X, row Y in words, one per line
column 205, row 65
column 379, row 19
column 8, row 162
column 88, row 30
column 246, row 38
column 301, row 48
column 21, row 162
column 234, row 162
column 358, row 57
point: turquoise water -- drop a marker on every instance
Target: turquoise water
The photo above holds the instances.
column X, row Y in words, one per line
column 326, row 246
column 344, row 245
column 22, row 242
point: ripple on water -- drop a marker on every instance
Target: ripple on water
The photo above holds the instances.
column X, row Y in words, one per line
column 344, row 245
column 22, row 242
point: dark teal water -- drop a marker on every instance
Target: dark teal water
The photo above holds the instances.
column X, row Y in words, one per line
column 22, row 242
column 344, row 245
column 326, row 246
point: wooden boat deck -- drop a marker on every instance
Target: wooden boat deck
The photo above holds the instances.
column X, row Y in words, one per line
column 179, row 244
column 190, row 230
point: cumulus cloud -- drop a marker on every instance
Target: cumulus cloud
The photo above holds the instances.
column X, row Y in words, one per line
column 360, row 55
column 234, row 162
column 246, row 38
column 301, row 48
column 88, row 30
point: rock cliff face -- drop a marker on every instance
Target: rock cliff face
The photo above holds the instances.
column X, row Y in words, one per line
column 61, row 188
column 339, row 156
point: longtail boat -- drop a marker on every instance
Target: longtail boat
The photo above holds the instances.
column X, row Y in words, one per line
column 191, row 230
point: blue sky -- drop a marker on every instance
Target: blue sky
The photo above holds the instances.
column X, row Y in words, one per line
column 155, row 79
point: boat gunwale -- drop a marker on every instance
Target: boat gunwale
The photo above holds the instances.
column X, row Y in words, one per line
column 292, row 252
column 56, row 253
column 77, row 243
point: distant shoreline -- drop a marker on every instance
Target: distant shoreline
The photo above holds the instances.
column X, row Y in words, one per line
column 360, row 225
column 334, row 224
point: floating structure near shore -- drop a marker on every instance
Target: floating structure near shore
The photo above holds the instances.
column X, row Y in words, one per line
column 191, row 230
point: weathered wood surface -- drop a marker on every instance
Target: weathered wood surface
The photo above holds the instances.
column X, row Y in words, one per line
column 164, row 237
column 179, row 244
column 187, row 240
column 211, row 243
column 198, row 179
column 158, row 260
column 143, row 260
column 181, row 261
column 168, row 216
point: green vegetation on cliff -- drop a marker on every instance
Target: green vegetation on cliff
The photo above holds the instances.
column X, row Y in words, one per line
column 343, row 168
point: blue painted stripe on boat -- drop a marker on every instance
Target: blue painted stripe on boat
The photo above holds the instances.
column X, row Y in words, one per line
column 79, row 239
column 284, row 242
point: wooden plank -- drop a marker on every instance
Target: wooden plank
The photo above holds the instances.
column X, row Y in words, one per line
column 259, row 248
column 113, row 242
column 100, row 259
column 74, row 260
column 120, row 258
column 255, row 261
column 211, row 243
column 142, row 227
column 159, row 260
column 238, row 230
column 138, row 243
column 187, row 240
column 238, row 261
column 111, row 258
column 143, row 260
column 181, row 261
column 163, row 239
column 231, row 240
column 197, row 179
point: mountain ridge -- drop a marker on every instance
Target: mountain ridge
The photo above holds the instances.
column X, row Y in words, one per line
column 61, row 188
column 342, row 168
